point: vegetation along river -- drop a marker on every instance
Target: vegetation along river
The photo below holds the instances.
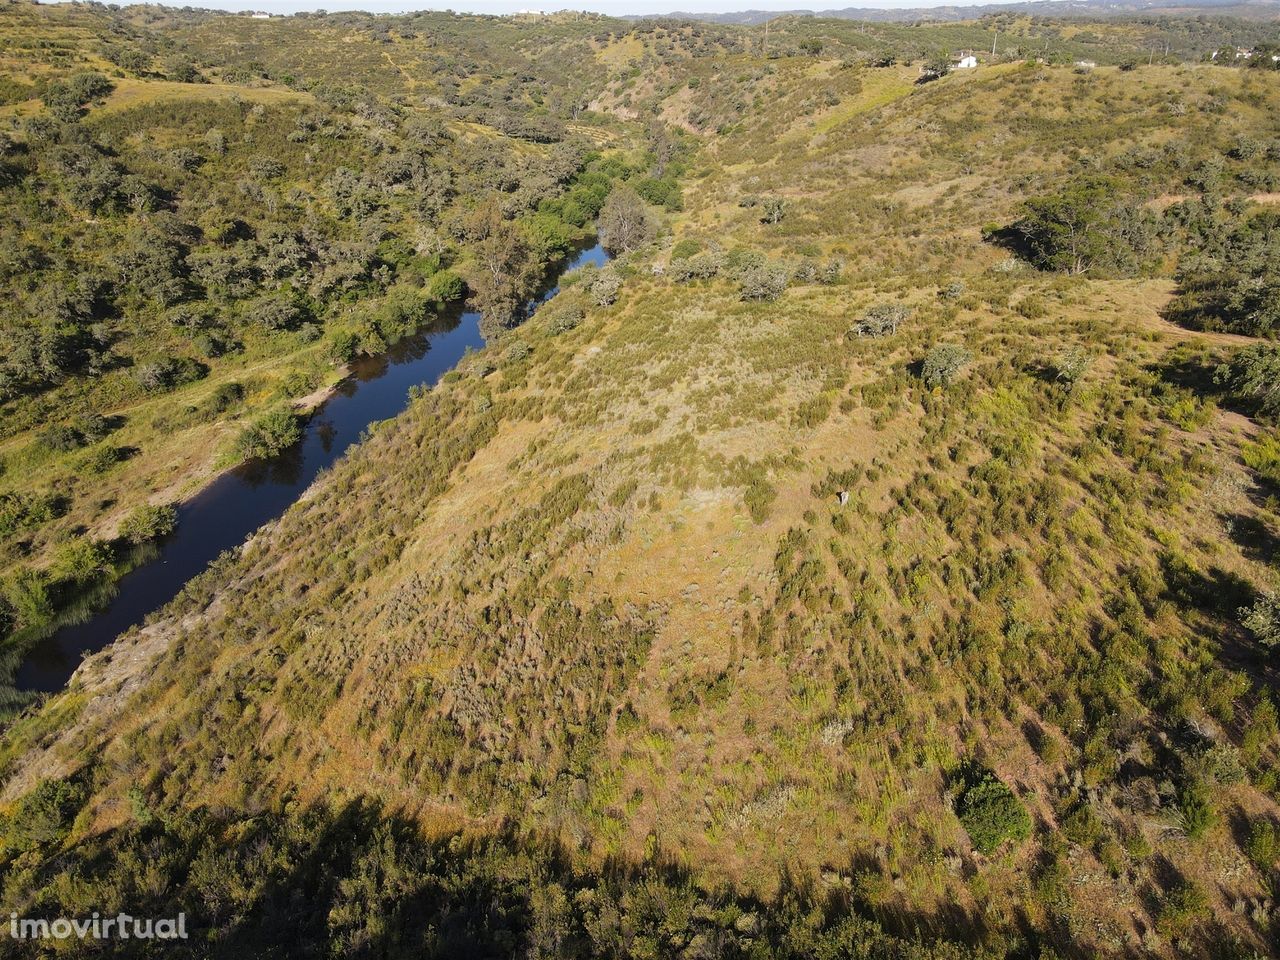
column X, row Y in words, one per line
column 237, row 503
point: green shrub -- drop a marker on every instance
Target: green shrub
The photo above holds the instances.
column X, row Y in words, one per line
column 1071, row 367
column 1082, row 826
column 774, row 209
column 603, row 288
column 1263, row 845
column 61, row 438
column 22, row 511
column 297, row 383
column 880, row 319
column 278, row 312
column 445, row 287
column 701, row 266
column 1032, row 306
column 1252, row 378
column 1262, row 618
column 1263, row 455
column 685, row 249
column 81, row 560
column 991, row 814
column 168, row 373
column 28, row 594
column 269, row 435
column 1237, row 290
column 1090, row 225
column 101, row 459
column 563, row 317
column 765, row 281
column 224, row 397
column 44, row 815
column 148, row 523
column 1184, row 907
column 759, row 497
column 1195, row 812
column 343, row 347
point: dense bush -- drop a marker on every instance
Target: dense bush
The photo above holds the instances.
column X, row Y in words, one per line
column 684, row 249
column 562, row 315
column 148, row 523
column 1263, row 455
column 278, row 312
column 269, row 435
column 1195, row 810
column 773, row 209
column 1263, row 845
column 943, row 363
column 66, row 98
column 1069, row 368
column 1235, row 288
column 21, row 511
column 1262, row 618
column 991, row 814
column 44, row 816
column 445, row 287
column 603, row 287
column 169, row 373
column 701, row 266
column 81, row 560
column 61, row 437
column 1252, row 378
column 764, row 281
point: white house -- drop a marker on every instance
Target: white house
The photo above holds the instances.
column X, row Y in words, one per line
column 964, row 61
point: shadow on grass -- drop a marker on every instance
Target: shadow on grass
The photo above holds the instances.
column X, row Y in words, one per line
column 360, row 880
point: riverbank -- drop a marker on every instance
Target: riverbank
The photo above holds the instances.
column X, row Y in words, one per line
column 240, row 499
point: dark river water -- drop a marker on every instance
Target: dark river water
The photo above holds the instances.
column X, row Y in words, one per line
column 237, row 503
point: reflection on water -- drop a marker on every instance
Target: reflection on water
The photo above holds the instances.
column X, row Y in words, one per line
column 238, row 502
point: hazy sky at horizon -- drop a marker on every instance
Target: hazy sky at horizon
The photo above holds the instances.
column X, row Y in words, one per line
column 612, row 7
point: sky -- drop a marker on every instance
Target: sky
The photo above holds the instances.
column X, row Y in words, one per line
column 613, row 7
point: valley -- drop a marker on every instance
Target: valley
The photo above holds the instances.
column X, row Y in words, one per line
column 875, row 555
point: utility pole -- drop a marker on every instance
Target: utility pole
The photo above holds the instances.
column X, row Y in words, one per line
column 993, row 44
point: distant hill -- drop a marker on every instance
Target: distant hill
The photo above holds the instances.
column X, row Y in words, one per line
column 1257, row 9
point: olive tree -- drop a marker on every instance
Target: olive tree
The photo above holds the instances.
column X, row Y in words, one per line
column 943, row 363
column 775, row 208
column 880, row 319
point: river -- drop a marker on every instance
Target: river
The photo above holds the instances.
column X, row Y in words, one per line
column 224, row 513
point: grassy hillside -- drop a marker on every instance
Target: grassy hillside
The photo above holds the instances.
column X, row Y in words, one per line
column 188, row 249
column 878, row 567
